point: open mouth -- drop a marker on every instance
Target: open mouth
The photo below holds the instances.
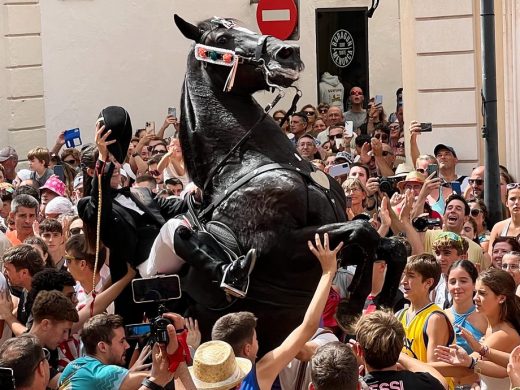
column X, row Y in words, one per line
column 282, row 76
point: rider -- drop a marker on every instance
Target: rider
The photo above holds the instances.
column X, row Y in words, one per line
column 131, row 218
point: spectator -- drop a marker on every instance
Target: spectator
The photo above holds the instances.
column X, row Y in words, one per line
column 337, row 142
column 278, row 117
column 334, row 116
column 475, row 188
column 511, row 264
column 509, row 227
column 334, row 367
column 174, row 186
column 53, row 315
column 238, row 329
column 57, row 207
column 75, row 227
column 9, row 160
column 103, row 337
column 20, row 264
column 425, row 324
column 28, row 360
column 500, row 247
column 39, row 159
column 360, row 172
column 146, row 181
column 357, row 193
column 322, row 109
column 168, row 121
column 6, row 196
column 152, row 168
column 478, row 210
column 298, row 125
column 52, row 233
column 77, row 193
column 71, row 156
column 216, row 367
column 39, row 244
column 356, row 114
column 53, row 188
column 382, row 133
column 380, row 338
column 306, row 146
column 318, row 126
column 172, row 163
column 469, row 230
column 310, row 111
column 24, row 209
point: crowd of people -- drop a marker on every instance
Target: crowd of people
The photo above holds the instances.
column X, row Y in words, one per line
column 65, row 298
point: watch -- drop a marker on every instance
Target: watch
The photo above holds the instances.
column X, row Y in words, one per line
column 151, row 385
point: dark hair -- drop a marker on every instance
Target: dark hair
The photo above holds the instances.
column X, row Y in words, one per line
column 467, row 266
column 22, row 354
column 236, row 329
column 381, row 336
column 361, row 165
column 24, row 256
column 334, row 366
column 89, row 156
column 361, row 139
column 502, row 283
column 77, row 247
column 425, row 265
column 99, row 328
column 301, row 115
column 27, row 190
column 145, row 178
column 70, row 152
column 35, row 240
column 51, row 225
column 47, row 280
column 482, row 206
column 512, row 241
column 173, row 181
column 54, row 306
column 458, row 197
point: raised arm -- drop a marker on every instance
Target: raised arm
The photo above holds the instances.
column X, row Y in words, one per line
column 273, row 362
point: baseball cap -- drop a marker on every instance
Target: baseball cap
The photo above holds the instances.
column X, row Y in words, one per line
column 7, row 152
column 440, row 147
column 343, row 157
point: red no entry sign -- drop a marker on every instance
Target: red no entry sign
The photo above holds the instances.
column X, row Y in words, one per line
column 277, row 17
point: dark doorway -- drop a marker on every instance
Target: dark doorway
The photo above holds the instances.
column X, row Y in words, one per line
column 342, row 51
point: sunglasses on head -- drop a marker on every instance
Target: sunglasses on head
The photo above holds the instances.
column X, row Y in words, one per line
column 475, row 212
column 512, row 186
column 478, row 182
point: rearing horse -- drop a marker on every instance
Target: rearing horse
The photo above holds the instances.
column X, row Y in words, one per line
column 272, row 199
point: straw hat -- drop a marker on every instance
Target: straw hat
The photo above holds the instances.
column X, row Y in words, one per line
column 215, row 367
column 412, row 177
column 402, row 170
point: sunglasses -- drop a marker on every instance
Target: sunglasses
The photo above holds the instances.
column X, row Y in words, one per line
column 155, row 151
column 420, row 170
column 381, row 136
column 337, row 136
column 400, row 145
column 512, row 186
column 356, row 93
column 478, row 182
column 475, row 212
column 74, row 231
column 278, row 118
column 70, row 162
column 323, row 110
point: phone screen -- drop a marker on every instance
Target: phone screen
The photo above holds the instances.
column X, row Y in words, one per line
column 432, row 168
column 135, row 331
column 6, row 379
column 172, row 111
column 349, row 128
column 378, row 100
column 159, row 288
column 58, row 171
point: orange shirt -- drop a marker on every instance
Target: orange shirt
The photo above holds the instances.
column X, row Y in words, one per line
column 11, row 235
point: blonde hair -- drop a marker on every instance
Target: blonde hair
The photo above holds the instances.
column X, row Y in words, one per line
column 353, row 182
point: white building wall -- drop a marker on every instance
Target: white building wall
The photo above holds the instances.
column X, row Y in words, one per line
column 129, row 53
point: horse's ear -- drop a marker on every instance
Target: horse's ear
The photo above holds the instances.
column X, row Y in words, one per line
column 189, row 30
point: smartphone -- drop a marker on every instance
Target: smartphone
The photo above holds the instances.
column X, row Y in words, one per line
column 378, row 100
column 136, row 331
column 157, row 289
column 455, row 187
column 339, row 142
column 431, row 169
column 426, row 127
column 339, row 170
column 6, row 379
column 72, row 137
column 348, row 202
column 150, row 127
column 58, row 171
column 172, row 111
column 349, row 128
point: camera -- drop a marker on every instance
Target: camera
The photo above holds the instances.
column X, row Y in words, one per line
column 422, row 224
column 155, row 330
column 387, row 185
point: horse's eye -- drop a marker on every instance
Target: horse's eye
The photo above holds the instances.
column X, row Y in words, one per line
column 222, row 40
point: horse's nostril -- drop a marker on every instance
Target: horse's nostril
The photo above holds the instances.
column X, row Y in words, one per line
column 285, row 52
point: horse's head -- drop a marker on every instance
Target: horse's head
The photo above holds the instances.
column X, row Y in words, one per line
column 261, row 59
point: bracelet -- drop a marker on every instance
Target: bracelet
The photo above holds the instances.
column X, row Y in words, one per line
column 484, row 351
column 151, row 385
column 473, row 363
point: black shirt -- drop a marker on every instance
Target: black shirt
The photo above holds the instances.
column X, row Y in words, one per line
column 401, row 380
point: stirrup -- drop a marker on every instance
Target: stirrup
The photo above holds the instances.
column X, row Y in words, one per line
column 230, row 290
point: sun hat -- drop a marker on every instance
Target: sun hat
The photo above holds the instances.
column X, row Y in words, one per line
column 55, row 185
column 24, row 174
column 215, row 367
column 402, row 170
column 412, row 177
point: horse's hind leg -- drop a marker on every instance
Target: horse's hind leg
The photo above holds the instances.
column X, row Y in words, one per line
column 394, row 252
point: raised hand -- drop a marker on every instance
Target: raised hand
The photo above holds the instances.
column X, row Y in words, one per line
column 326, row 256
column 101, row 141
column 194, row 335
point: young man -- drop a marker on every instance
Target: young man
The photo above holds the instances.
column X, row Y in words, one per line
column 103, row 337
column 39, row 159
column 380, row 340
column 448, row 248
column 238, row 329
column 425, row 324
column 334, row 367
column 28, row 360
column 21, row 263
column 53, row 315
column 174, row 186
column 51, row 232
column 24, row 209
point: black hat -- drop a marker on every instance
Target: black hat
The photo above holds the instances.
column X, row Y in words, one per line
column 117, row 119
column 444, row 147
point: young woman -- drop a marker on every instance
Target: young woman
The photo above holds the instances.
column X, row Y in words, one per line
column 312, row 115
column 479, row 214
column 317, row 127
column 501, row 246
column 496, row 300
column 469, row 230
column 509, row 227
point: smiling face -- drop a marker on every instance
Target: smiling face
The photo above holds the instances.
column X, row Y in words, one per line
column 454, row 216
column 460, row 285
column 499, row 250
column 511, row 264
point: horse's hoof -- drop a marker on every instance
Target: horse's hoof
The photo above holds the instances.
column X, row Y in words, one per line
column 236, row 275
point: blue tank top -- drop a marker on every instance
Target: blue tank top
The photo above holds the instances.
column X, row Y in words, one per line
column 250, row 382
column 440, row 204
column 462, row 320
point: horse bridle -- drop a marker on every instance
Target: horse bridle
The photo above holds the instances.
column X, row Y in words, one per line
column 225, row 57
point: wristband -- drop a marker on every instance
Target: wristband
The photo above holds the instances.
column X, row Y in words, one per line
column 473, row 363
column 151, row 385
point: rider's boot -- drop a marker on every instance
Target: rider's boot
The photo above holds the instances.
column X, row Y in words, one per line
column 200, row 250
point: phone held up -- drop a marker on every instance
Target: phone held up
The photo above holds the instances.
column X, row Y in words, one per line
column 349, row 129
column 172, row 111
column 426, row 127
column 431, row 169
column 150, row 127
column 378, row 100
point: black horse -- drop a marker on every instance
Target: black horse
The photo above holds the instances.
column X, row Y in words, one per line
column 270, row 198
